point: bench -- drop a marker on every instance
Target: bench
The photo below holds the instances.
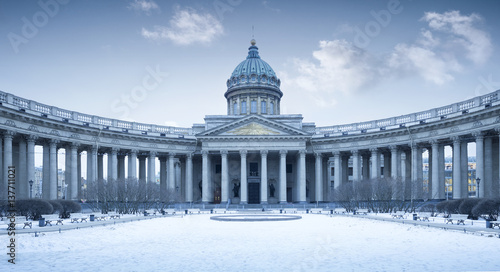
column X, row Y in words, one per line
column 290, row 210
column 114, row 215
column 316, row 210
column 170, row 211
column 495, row 224
column 458, row 218
column 192, row 211
column 361, row 211
column 49, row 218
column 340, row 210
column 399, row 215
column 423, row 216
column 17, row 220
column 149, row 212
column 75, row 217
column 219, row 210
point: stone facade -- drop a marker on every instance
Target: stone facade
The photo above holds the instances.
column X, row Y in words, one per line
column 254, row 154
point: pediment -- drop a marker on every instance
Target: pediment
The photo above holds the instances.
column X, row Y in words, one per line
column 254, row 126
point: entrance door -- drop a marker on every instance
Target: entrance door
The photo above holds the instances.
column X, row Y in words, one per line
column 253, row 193
column 289, row 198
column 217, row 195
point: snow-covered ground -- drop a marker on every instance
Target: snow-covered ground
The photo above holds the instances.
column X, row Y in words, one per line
column 196, row 243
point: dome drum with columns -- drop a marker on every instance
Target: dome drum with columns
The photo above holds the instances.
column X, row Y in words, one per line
column 253, row 154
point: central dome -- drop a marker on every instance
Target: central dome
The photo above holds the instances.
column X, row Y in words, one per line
column 253, row 87
column 253, row 70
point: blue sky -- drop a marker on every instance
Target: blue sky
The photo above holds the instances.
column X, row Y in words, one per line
column 167, row 62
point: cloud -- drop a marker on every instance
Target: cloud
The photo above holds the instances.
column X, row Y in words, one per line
column 337, row 67
column 187, row 27
column 143, row 6
column 476, row 42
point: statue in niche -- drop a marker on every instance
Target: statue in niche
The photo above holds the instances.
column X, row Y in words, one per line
column 236, row 189
column 272, row 189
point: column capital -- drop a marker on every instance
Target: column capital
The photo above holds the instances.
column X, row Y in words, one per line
column 31, row 138
column 336, row 153
column 74, row 145
column 318, row 154
column 456, row 139
column 171, row 154
column 264, row 152
column 283, row 152
column 479, row 135
column 153, row 153
column 355, row 152
column 189, row 156
column 114, row 150
column 224, row 152
column 8, row 134
column 204, row 152
column 434, row 142
column 302, row 152
column 393, row 148
column 53, row 142
column 133, row 151
column 243, row 152
column 373, row 149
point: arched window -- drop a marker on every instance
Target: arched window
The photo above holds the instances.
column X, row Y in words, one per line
column 253, row 106
column 263, row 107
column 271, row 108
column 235, row 108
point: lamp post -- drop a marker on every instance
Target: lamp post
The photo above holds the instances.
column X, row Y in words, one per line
column 31, row 188
column 478, row 180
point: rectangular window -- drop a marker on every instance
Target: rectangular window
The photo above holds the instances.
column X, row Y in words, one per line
column 271, row 108
column 263, row 107
column 253, row 106
column 350, row 171
column 332, row 171
column 235, row 108
column 254, row 169
column 243, row 107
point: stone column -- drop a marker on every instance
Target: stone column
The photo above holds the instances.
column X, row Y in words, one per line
column 464, row 166
column 337, row 177
column 375, row 167
column 282, row 187
column 53, row 169
column 132, row 164
column 114, row 164
column 302, row 176
column 457, row 173
column 356, row 171
column 263, row 179
column 30, row 174
column 7, row 161
column 205, row 172
column 395, row 162
column 416, row 163
column 163, row 178
column 142, row 168
column 73, row 183
column 480, row 163
column 243, row 178
column 318, row 195
column 224, row 177
column 21, row 178
column 488, row 169
column 46, row 171
column 437, row 192
column 403, row 166
column 100, row 166
column 171, row 172
column 152, row 167
column 121, row 167
column 189, row 177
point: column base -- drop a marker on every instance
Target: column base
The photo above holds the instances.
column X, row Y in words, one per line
column 263, row 203
column 243, row 202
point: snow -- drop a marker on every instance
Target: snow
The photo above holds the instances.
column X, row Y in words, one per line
column 313, row 243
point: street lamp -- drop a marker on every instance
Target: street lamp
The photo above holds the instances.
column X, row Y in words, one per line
column 31, row 188
column 478, row 180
